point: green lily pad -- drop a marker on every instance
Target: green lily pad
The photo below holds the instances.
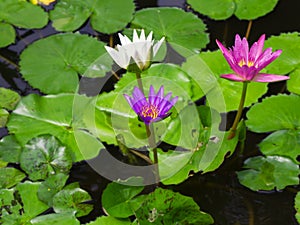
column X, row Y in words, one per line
column 167, row 207
column 242, row 9
column 10, row 149
column 64, row 57
column 215, row 9
column 45, row 156
column 267, row 173
column 9, row 177
column 283, row 142
column 186, row 35
column 8, row 98
column 109, row 220
column 119, row 200
column 56, row 218
column 289, row 60
column 222, row 95
column 7, row 34
column 293, row 84
column 58, row 115
column 106, row 16
column 10, row 202
column 279, row 112
column 297, row 206
column 3, row 117
column 72, row 201
column 50, row 187
column 250, row 10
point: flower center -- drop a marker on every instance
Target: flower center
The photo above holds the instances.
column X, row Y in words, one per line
column 150, row 111
column 249, row 63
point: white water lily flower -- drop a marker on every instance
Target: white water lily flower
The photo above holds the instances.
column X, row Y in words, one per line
column 140, row 50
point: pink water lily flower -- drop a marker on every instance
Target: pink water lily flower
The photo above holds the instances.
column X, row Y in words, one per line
column 155, row 108
column 247, row 64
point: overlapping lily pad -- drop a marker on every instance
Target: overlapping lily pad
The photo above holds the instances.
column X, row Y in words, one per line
column 185, row 35
column 55, row 218
column 9, row 177
column 10, row 149
column 21, row 14
column 222, row 95
column 242, row 9
column 267, row 173
column 109, row 220
column 53, row 64
column 58, row 115
column 106, row 16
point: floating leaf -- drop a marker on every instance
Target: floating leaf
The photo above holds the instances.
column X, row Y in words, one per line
column 250, row 10
column 275, row 113
column 64, row 56
column 297, row 206
column 186, row 35
column 10, row 202
column 106, row 16
column 293, row 84
column 7, row 34
column 289, row 60
column 109, row 220
column 9, row 177
column 51, row 186
column 58, row 115
column 10, row 149
column 44, row 156
column 267, row 173
column 119, row 200
column 166, row 207
column 3, row 117
column 283, row 142
column 222, row 95
column 215, row 9
column 72, row 201
column 8, row 98
column 57, row 218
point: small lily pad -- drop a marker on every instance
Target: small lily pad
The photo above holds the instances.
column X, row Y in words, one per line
column 45, row 156
column 3, row 117
column 267, row 173
column 8, row 98
column 10, row 149
column 9, row 177
column 7, row 34
column 109, row 220
column 297, row 206
column 55, row 218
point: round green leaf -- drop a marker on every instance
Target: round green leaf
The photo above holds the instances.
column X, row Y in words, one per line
column 58, row 59
column 167, row 207
column 215, row 9
column 289, row 60
column 109, row 220
column 23, row 14
column 267, row 173
column 207, row 68
column 297, row 206
column 60, row 116
column 50, row 187
column 293, row 84
column 275, row 113
column 9, row 177
column 284, row 143
column 44, row 156
column 31, row 204
column 106, row 16
column 3, row 117
column 72, row 201
column 10, row 149
column 250, row 10
column 111, row 16
column 57, row 218
column 8, row 98
column 185, row 35
column 10, row 199
column 118, row 199
column 7, row 34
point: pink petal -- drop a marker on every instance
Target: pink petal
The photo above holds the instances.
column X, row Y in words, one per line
column 233, row 77
column 256, row 49
column 264, row 77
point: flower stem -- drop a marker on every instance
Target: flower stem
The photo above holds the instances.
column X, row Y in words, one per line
column 152, row 145
column 248, row 29
column 139, row 81
column 239, row 112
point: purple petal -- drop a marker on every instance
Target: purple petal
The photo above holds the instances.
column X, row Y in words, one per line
column 257, row 48
column 263, row 77
column 129, row 100
column 137, row 94
column 228, row 56
column 152, row 95
column 268, row 57
column 233, row 77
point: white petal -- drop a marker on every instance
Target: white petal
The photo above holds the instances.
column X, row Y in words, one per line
column 124, row 39
column 142, row 36
column 157, row 46
column 119, row 57
column 135, row 36
column 149, row 38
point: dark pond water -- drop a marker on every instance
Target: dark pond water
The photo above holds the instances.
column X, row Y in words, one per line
column 218, row 193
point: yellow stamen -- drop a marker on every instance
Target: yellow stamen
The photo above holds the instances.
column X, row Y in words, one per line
column 150, row 111
column 249, row 63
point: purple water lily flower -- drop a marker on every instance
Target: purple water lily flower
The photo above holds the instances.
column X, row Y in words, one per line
column 248, row 63
column 155, row 108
